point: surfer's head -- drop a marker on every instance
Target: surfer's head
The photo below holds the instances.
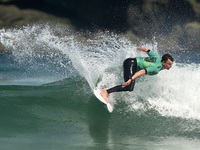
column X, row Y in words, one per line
column 167, row 61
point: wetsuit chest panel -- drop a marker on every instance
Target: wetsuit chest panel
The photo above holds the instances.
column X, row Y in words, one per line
column 149, row 61
column 152, row 64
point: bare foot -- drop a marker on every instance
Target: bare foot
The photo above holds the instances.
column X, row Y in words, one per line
column 104, row 94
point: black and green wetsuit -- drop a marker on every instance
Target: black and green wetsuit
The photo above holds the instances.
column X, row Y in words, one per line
column 151, row 64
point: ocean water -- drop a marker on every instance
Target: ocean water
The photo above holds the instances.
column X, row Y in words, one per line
column 47, row 74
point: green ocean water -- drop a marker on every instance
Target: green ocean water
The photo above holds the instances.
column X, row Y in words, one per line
column 46, row 98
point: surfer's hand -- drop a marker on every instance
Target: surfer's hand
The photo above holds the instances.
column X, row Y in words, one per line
column 127, row 83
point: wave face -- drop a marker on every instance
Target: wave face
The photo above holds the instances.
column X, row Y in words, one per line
column 47, row 77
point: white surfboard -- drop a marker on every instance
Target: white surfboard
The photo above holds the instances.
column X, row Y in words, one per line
column 101, row 99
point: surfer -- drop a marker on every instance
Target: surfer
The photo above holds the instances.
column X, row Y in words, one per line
column 139, row 66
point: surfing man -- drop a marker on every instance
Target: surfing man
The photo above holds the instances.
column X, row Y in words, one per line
column 139, row 66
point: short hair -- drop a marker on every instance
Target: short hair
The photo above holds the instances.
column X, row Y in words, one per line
column 166, row 57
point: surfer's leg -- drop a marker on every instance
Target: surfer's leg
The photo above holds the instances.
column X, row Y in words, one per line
column 120, row 88
column 129, row 67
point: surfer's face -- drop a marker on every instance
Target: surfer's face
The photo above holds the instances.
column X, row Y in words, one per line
column 167, row 64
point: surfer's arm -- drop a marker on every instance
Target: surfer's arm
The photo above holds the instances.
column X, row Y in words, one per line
column 148, row 51
column 144, row 49
column 136, row 75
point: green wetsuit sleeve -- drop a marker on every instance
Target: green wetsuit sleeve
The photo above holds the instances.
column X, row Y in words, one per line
column 152, row 54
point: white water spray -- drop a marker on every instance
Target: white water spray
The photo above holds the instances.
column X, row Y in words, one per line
column 99, row 60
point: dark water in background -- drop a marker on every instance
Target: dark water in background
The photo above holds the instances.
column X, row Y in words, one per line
column 46, row 99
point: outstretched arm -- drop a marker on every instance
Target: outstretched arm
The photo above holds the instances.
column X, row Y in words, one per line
column 144, row 49
column 136, row 75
